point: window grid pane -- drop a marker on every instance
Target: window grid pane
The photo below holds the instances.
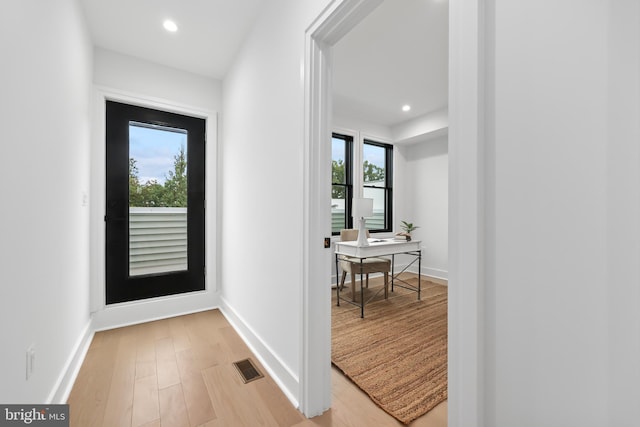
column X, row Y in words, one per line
column 338, row 209
column 378, row 221
column 377, row 176
column 338, row 160
column 374, row 165
column 341, row 192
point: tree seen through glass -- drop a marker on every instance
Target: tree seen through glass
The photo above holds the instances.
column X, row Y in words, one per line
column 163, row 182
column 373, row 164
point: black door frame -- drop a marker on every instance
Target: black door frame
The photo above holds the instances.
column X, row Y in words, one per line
column 120, row 287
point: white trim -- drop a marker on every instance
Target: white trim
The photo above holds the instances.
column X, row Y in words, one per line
column 436, row 273
column 315, row 379
column 140, row 311
column 284, row 377
column 148, row 310
column 425, row 270
column 374, row 138
column 337, row 19
column 61, row 390
column 346, row 131
column 466, row 214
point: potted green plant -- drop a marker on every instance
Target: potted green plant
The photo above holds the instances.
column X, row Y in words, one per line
column 407, row 228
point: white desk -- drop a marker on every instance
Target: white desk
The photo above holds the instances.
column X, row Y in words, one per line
column 376, row 248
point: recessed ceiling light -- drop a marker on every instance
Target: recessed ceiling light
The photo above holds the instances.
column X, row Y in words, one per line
column 170, row 26
column 406, row 108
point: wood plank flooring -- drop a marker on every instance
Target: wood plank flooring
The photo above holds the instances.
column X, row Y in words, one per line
column 179, row 372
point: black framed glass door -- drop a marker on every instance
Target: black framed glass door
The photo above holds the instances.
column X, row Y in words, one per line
column 155, row 194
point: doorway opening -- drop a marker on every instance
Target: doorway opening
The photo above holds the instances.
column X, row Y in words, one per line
column 396, row 57
column 465, row 213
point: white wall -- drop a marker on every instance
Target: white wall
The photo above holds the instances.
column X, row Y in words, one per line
column 141, row 77
column 372, row 130
column 128, row 79
column 561, row 261
column 422, row 197
column 45, row 119
column 262, row 160
column 623, row 212
column 422, row 127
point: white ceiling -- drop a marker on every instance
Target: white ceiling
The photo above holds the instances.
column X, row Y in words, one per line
column 396, row 56
column 210, row 32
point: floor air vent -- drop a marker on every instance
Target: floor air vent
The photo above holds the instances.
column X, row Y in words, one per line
column 247, row 370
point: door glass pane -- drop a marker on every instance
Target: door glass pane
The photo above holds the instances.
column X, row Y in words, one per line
column 157, row 199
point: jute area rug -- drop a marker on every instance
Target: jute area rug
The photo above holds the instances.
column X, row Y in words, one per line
column 397, row 354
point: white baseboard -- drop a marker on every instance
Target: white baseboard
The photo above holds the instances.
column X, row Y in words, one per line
column 62, row 388
column 287, row 380
column 148, row 310
column 435, row 273
column 426, row 271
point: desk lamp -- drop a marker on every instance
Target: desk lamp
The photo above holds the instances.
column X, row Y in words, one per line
column 362, row 208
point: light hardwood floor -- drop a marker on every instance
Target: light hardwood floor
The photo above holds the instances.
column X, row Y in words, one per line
column 179, row 372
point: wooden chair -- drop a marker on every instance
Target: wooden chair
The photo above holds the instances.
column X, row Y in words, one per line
column 366, row 266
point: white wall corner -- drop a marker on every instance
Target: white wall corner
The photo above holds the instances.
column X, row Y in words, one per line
column 283, row 376
column 61, row 390
column 422, row 128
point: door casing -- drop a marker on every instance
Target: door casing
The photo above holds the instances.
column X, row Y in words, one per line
column 116, row 315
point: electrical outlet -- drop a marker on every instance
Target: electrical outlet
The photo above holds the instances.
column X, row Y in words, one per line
column 31, row 360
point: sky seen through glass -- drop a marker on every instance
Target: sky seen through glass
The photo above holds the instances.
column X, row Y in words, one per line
column 154, row 150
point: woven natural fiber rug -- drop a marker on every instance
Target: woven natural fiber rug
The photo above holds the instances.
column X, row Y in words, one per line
column 397, row 354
